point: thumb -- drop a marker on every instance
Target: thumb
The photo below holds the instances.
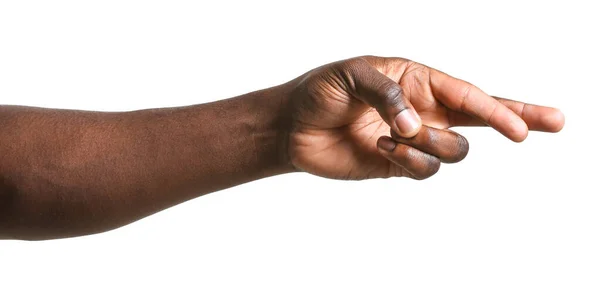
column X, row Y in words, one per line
column 385, row 95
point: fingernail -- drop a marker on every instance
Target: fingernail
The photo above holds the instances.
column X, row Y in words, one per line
column 407, row 121
column 386, row 144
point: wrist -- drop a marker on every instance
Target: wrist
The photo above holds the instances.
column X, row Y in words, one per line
column 270, row 128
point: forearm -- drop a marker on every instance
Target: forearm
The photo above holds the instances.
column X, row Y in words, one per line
column 65, row 173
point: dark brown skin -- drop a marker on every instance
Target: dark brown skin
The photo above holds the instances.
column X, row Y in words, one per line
column 67, row 173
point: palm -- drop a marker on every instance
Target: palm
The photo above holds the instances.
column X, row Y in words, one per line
column 341, row 140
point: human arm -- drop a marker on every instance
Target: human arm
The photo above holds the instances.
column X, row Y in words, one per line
column 66, row 173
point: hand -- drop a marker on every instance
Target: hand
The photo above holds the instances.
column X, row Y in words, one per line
column 342, row 114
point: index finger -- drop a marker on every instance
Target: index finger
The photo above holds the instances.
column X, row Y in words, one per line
column 462, row 96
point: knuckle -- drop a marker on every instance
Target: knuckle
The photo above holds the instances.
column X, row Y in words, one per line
column 368, row 57
column 352, row 73
column 464, row 98
column 347, row 70
column 353, row 65
column 429, row 137
column 392, row 94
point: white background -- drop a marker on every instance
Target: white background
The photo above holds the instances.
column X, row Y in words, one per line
column 511, row 219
